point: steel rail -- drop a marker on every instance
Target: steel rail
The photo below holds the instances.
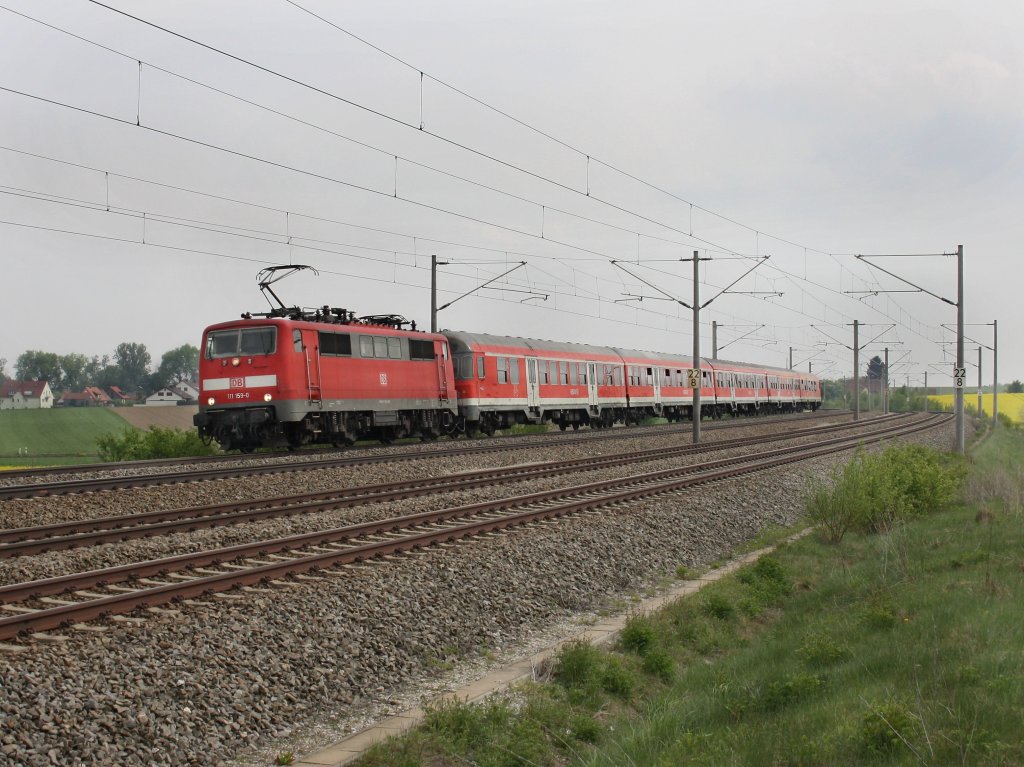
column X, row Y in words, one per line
column 82, row 468
column 38, row 539
column 55, row 617
column 198, row 473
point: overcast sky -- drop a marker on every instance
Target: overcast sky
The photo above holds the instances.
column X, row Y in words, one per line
column 139, row 201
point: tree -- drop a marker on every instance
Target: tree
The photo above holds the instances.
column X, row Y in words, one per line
column 36, row 365
column 3, row 373
column 132, row 361
column 1015, row 387
column 181, row 364
column 74, row 368
column 876, row 368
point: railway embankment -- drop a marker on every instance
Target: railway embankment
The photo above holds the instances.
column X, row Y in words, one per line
column 293, row 664
column 893, row 642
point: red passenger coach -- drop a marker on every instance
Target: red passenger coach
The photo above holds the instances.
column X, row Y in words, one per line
column 503, row 380
column 327, row 378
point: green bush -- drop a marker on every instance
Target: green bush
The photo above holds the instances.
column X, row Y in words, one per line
column 616, row 678
column 792, row 690
column 717, row 605
column 875, row 491
column 887, row 728
column 767, row 580
column 637, row 635
column 820, row 649
column 659, row 663
column 578, row 664
column 156, row 442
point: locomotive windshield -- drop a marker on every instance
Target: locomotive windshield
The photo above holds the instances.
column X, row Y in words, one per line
column 240, row 342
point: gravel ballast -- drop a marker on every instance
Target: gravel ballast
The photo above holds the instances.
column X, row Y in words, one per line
column 278, row 668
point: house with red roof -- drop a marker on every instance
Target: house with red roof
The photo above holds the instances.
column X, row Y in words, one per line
column 90, row 396
column 25, row 395
column 120, row 396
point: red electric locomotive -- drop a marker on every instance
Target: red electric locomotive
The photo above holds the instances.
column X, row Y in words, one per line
column 292, row 376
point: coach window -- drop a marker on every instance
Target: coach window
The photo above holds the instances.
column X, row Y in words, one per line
column 480, row 367
column 422, row 350
column 563, row 373
column 545, row 373
column 380, row 347
column 258, row 340
column 365, row 346
column 573, row 374
column 513, row 369
column 297, row 340
column 394, row 348
column 335, row 344
column 502, row 370
column 583, row 374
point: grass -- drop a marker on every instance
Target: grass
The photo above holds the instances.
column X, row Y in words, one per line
column 898, row 647
column 54, row 436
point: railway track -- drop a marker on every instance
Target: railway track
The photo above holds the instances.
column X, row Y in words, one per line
column 158, row 582
column 244, row 466
column 67, row 535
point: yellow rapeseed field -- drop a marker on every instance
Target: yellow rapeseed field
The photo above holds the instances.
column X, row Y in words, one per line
column 1010, row 404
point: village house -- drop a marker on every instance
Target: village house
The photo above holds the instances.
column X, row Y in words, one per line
column 120, row 396
column 25, row 395
column 90, row 396
column 181, row 393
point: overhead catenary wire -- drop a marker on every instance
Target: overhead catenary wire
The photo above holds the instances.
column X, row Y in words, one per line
column 548, row 239
column 129, row 57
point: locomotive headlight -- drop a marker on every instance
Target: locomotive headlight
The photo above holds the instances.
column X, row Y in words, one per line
column 236, row 362
column 210, row 401
column 267, row 397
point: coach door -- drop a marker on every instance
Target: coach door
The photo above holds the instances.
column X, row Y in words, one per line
column 592, row 383
column 442, row 372
column 311, row 351
column 532, row 393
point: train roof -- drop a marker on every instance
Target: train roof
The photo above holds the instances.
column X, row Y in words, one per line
column 463, row 341
column 470, row 340
column 354, row 326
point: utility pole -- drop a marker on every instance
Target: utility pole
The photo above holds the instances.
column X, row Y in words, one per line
column 959, row 396
column 790, row 357
column 696, row 307
column 856, row 371
column 434, row 263
column 995, row 373
column 958, row 379
column 926, row 391
column 885, row 386
column 696, row 347
column 714, row 339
